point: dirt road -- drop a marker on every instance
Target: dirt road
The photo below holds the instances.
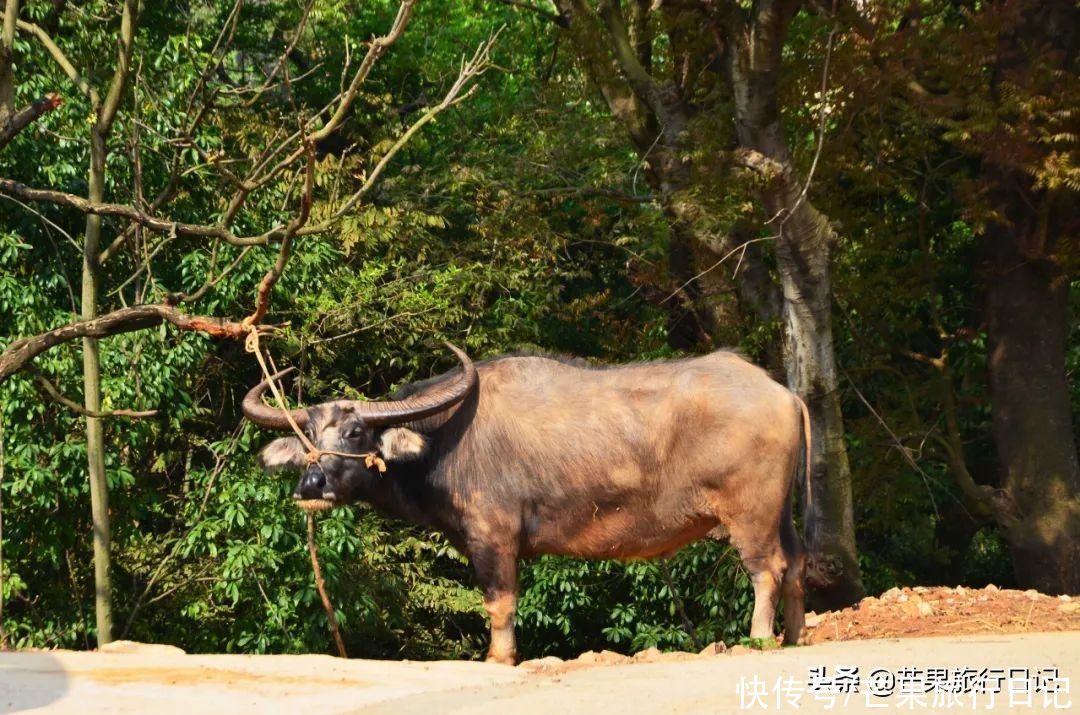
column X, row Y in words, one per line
column 160, row 679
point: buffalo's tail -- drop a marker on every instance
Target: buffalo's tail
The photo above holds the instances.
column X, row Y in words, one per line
column 815, row 574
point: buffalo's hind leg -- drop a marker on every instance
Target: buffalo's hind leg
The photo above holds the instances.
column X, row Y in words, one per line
column 764, row 560
column 496, row 571
column 766, row 595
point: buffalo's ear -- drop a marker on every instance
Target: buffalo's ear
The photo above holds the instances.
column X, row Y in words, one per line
column 283, row 453
column 402, row 444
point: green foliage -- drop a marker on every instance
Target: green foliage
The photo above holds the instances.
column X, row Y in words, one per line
column 514, row 221
column 570, row 605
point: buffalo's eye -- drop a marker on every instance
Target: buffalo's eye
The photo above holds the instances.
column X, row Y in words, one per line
column 354, row 432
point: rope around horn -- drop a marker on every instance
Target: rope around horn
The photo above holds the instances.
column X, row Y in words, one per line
column 251, row 344
column 371, row 459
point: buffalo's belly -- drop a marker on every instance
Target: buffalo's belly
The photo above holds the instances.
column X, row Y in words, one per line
column 599, row 532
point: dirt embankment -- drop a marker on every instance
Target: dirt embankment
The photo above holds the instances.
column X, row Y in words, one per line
column 898, row 613
column 920, row 611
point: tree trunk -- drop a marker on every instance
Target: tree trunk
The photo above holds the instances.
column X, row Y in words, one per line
column 1027, row 302
column 95, row 435
column 708, row 307
column 7, row 50
column 1038, row 505
column 802, row 256
column 656, row 115
column 803, row 243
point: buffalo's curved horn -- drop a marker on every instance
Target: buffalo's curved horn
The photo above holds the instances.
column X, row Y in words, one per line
column 266, row 416
column 417, row 407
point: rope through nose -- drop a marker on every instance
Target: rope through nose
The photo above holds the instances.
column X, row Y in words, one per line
column 251, row 344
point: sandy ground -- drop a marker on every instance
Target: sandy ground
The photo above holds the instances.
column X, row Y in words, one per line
column 160, row 679
column 910, row 628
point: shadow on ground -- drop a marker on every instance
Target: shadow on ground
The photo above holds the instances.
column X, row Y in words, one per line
column 30, row 680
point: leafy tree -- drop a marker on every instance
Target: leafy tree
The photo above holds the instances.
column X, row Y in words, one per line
column 987, row 91
column 269, row 171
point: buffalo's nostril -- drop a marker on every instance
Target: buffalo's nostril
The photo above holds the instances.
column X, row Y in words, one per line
column 311, row 485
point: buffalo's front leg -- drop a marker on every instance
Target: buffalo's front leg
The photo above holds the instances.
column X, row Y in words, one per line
column 496, row 570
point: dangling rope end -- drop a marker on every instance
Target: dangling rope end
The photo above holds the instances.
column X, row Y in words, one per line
column 321, row 586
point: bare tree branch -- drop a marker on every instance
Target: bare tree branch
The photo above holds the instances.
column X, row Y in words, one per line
column 61, row 59
column 22, row 351
column 166, row 194
column 54, row 392
column 376, row 49
column 155, row 223
column 107, row 113
column 212, row 280
column 259, row 177
column 479, row 63
column 262, row 301
column 740, row 249
column 470, row 69
column 284, row 55
column 21, row 119
column 378, row 46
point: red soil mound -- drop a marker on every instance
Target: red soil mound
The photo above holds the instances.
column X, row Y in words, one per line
column 938, row 611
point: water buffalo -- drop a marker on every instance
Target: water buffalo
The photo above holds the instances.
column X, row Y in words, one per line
column 524, row 455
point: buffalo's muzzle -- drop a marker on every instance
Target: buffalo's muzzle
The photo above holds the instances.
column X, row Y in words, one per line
column 311, row 485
